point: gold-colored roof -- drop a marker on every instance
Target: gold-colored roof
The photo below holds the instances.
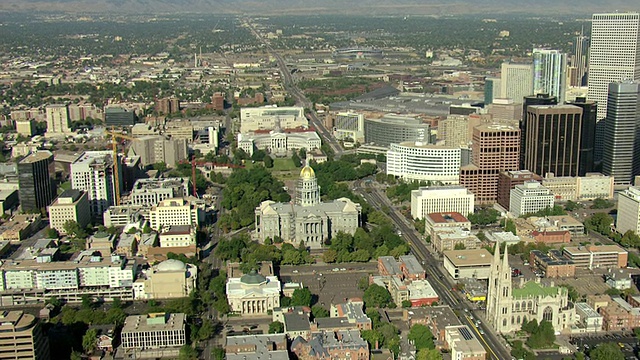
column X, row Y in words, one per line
column 307, row 172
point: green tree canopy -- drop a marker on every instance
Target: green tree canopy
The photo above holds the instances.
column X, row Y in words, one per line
column 276, row 327
column 428, row 354
column 376, row 296
column 301, row 297
column 89, row 340
column 607, row 351
column 421, row 337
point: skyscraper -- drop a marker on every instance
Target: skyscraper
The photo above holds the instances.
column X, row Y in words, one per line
column 587, row 142
column 492, row 88
column 495, row 148
column 550, row 73
column 622, row 132
column 538, row 99
column 516, row 81
column 34, row 179
column 614, row 54
column 93, row 173
column 553, row 139
column 580, row 59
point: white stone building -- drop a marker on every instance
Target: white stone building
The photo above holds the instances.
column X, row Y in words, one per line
column 441, row 199
column 266, row 118
column 172, row 212
column 628, row 218
column 529, row 198
column 71, row 205
column 278, row 141
column 93, row 172
column 253, row 293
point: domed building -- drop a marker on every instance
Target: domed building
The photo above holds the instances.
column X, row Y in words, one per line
column 169, row 279
column 308, row 219
column 253, row 293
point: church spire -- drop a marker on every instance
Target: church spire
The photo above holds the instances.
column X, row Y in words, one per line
column 505, row 261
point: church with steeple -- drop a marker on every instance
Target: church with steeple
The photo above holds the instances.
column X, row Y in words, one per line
column 308, row 219
column 508, row 306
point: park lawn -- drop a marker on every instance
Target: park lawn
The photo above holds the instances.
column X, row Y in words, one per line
column 283, row 165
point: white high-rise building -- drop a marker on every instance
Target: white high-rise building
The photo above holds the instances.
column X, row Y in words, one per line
column 629, row 211
column 173, row 212
column 516, row 81
column 614, row 54
column 349, row 125
column 441, row 199
column 93, row 173
column 550, row 73
column 423, row 162
column 529, row 198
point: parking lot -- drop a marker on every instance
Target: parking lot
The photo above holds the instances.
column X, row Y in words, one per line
column 332, row 284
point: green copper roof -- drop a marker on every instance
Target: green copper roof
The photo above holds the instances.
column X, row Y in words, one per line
column 533, row 288
column 253, row 278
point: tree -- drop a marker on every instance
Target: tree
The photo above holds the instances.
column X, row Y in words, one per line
column 319, row 312
column 89, row 340
column 421, row 337
column 73, row 229
column 428, row 354
column 600, row 203
column 75, row 356
column 330, row 256
column 600, row 223
column 268, row 162
column 510, row 226
column 459, row 246
column 301, row 297
column 52, row 233
column 276, row 327
column 360, row 256
column 607, row 351
column 188, row 353
column 572, row 206
column 542, row 337
column 485, row 216
column 406, row 303
column 376, row 296
column 87, row 301
column 160, row 166
column 218, row 353
column 296, row 159
column 363, row 283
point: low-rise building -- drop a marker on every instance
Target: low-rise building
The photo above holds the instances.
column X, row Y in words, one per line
column 353, row 311
column 474, row 264
column 588, row 319
column 597, row 256
column 407, row 267
column 552, row 264
column 71, row 205
column 421, row 293
column 296, row 321
column 448, row 239
column 149, row 192
column 619, row 315
column 344, row 344
column 172, row 212
column 437, row 318
column 20, row 227
column 101, row 242
column 437, row 221
column 256, row 347
column 163, row 333
column 178, row 236
column 618, row 280
column 551, row 237
column 279, row 141
column 8, row 200
column 463, row 344
column 167, row 280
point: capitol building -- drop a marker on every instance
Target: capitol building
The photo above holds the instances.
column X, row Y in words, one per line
column 306, row 220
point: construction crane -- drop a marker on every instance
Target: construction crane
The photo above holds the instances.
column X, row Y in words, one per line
column 116, row 175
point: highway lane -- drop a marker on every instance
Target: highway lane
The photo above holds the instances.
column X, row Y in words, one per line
column 293, row 89
column 437, row 278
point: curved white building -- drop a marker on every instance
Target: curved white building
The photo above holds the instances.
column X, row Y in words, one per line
column 424, row 162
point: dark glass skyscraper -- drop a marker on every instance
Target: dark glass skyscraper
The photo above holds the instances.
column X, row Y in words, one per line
column 587, row 143
column 34, row 179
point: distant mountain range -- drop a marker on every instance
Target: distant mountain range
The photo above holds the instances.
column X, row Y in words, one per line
column 361, row 7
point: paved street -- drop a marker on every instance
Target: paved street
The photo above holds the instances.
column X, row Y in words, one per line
column 495, row 346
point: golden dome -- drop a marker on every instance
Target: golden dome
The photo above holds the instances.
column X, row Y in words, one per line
column 307, row 172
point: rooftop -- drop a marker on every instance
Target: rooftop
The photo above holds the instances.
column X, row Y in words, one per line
column 37, row 156
column 412, row 264
column 475, row 257
column 594, row 249
column 154, row 322
column 450, row 217
column 262, row 347
column 533, row 288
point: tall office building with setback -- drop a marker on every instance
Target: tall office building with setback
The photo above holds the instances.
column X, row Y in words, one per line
column 34, row 179
column 622, row 132
column 587, row 142
column 614, row 56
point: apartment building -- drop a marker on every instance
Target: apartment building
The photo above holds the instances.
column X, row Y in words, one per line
column 463, row 344
column 93, row 173
column 154, row 331
column 71, row 205
column 529, row 198
column 172, row 212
